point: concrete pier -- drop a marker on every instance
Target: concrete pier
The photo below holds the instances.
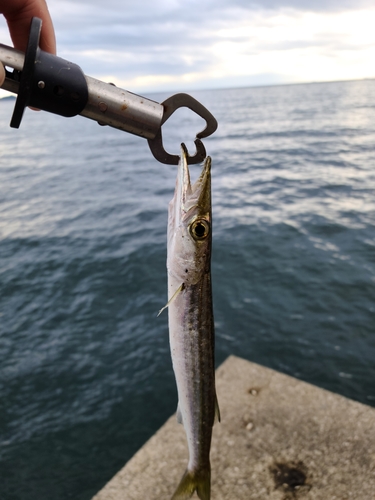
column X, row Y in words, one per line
column 279, row 439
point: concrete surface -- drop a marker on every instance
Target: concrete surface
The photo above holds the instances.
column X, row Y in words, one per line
column 279, row 439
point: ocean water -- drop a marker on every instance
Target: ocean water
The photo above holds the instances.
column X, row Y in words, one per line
column 85, row 370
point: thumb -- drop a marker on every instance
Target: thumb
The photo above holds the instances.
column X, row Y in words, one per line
column 2, row 74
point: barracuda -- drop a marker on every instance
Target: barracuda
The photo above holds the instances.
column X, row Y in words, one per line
column 191, row 324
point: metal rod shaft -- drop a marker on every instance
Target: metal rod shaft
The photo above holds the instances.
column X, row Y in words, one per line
column 107, row 104
column 110, row 105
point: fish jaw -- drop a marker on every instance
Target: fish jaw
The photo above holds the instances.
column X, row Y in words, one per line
column 189, row 224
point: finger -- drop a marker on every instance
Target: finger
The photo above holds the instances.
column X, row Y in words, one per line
column 2, row 74
column 19, row 15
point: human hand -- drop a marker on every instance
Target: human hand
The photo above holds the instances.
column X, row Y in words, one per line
column 18, row 14
column 2, row 74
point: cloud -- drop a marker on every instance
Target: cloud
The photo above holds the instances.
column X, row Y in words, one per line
column 182, row 45
column 303, row 5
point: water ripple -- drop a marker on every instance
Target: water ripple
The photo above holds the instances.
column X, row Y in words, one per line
column 86, row 370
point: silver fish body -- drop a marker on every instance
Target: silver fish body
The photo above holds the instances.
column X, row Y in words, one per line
column 191, row 324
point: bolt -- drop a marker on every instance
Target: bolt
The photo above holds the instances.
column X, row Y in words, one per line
column 41, row 84
column 103, row 106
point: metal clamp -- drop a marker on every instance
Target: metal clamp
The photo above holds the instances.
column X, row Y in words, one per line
column 53, row 84
column 170, row 106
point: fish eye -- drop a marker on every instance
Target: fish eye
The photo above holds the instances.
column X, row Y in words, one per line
column 199, row 229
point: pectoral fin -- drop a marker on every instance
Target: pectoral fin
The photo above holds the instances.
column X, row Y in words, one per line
column 179, row 289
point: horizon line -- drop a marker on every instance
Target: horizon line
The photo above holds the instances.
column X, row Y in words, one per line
column 211, row 89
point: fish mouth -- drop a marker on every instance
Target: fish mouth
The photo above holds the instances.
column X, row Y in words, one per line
column 197, row 195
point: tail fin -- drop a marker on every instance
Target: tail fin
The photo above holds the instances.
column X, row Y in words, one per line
column 199, row 481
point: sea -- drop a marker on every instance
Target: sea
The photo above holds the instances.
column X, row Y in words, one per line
column 85, row 369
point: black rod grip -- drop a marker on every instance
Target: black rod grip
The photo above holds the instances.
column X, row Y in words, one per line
column 48, row 82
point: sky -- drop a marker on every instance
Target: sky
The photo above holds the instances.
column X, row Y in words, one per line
column 182, row 45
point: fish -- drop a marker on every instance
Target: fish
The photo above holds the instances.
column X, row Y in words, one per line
column 191, row 322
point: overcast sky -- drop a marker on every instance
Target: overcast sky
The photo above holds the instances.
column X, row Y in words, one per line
column 175, row 45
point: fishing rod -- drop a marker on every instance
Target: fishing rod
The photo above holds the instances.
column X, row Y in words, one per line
column 50, row 83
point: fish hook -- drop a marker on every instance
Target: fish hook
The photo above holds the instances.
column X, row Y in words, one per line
column 170, row 106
